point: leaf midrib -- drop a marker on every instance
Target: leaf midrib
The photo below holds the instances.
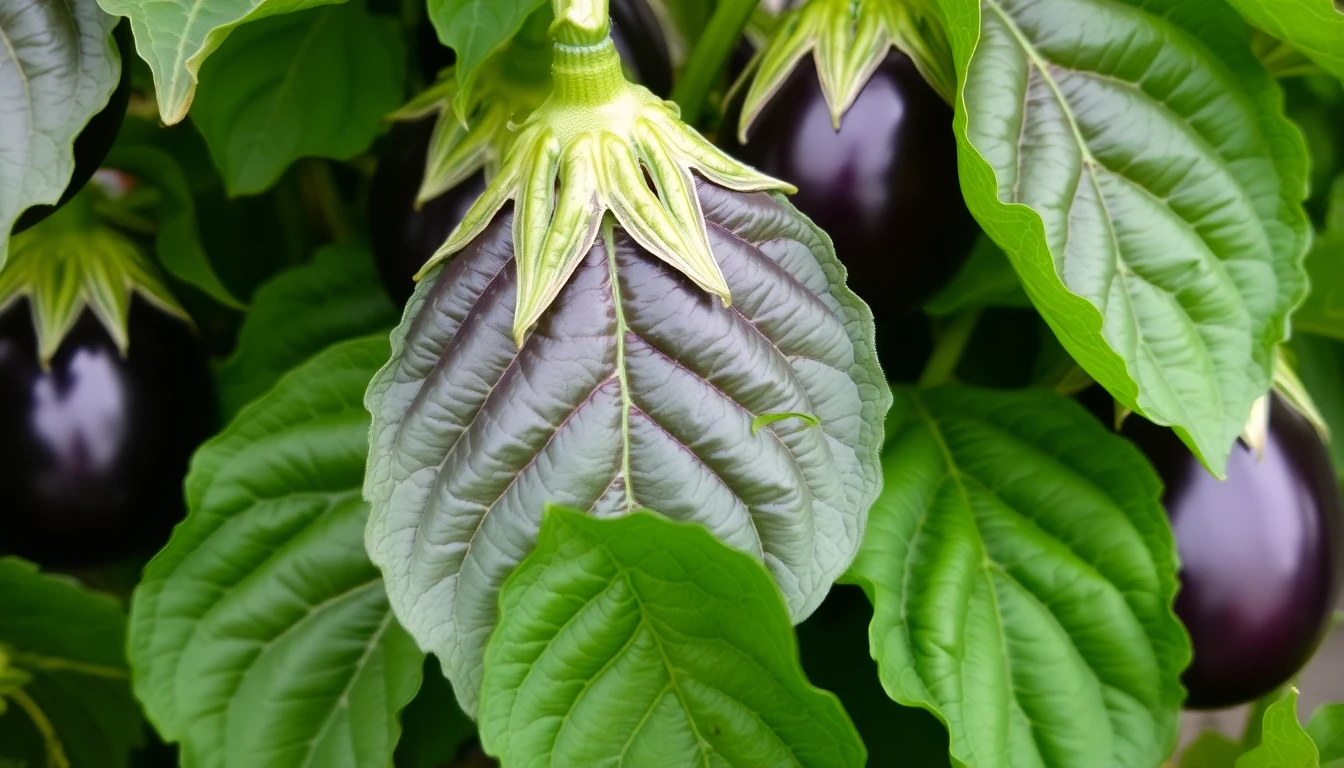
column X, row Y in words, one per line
column 622, row 328
column 1090, row 164
column 988, row 565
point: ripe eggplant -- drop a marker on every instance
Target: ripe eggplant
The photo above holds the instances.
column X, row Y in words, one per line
column 1260, row 555
column 884, row 186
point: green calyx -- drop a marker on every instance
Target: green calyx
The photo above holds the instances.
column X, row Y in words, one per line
column 848, row 39
column 473, row 133
column 586, row 151
column 71, row 262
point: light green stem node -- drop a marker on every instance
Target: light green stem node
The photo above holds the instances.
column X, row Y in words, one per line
column 600, row 143
column 587, row 74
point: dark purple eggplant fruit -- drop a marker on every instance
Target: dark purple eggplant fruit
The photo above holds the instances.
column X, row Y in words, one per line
column 884, row 186
column 96, row 446
column 1260, row 555
column 404, row 238
column 95, row 141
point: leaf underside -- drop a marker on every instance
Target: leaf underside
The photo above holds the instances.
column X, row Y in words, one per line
column 635, row 393
column 58, row 67
column 1134, row 161
column 175, row 36
column 641, row 642
column 1022, row 573
column 261, row 636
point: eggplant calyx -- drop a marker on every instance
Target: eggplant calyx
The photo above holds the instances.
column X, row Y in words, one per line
column 849, row 40
column 1294, row 394
column 71, row 262
column 473, row 130
column 586, row 151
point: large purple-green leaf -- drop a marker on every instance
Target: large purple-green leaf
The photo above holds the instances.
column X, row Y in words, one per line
column 635, row 389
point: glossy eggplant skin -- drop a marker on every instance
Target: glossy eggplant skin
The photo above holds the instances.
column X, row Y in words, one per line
column 404, row 238
column 96, row 140
column 1260, row 555
column 884, row 186
column 96, row 446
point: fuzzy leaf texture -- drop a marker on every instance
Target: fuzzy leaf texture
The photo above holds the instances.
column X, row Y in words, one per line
column 1132, row 158
column 1313, row 27
column 261, row 636
column 635, row 389
column 642, row 642
column 176, row 36
column 77, row 681
column 58, row 68
column 1022, row 573
column 311, row 84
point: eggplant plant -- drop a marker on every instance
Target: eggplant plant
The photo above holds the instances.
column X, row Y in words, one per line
column 664, row 383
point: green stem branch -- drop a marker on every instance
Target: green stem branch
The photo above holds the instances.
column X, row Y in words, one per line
column 710, row 56
column 55, row 750
column 947, row 352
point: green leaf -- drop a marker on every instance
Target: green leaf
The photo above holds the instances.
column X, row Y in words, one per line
column 1283, row 743
column 475, row 29
column 1022, row 573
column 1314, row 27
column 176, row 36
column 1211, row 749
column 1326, row 729
column 178, row 244
column 639, row 641
column 306, row 84
column 1133, row 160
column 261, row 636
column 68, row 642
column 300, row 312
column 1323, row 311
column 59, row 68
column 986, row 280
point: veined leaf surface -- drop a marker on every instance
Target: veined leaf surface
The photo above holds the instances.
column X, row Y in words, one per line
column 261, row 636
column 643, row 642
column 58, row 68
column 1133, row 160
column 1022, row 574
column 635, row 389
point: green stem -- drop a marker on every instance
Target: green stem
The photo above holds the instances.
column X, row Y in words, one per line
column 710, row 55
column 951, row 344
column 320, row 185
column 1255, row 721
column 55, row 750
